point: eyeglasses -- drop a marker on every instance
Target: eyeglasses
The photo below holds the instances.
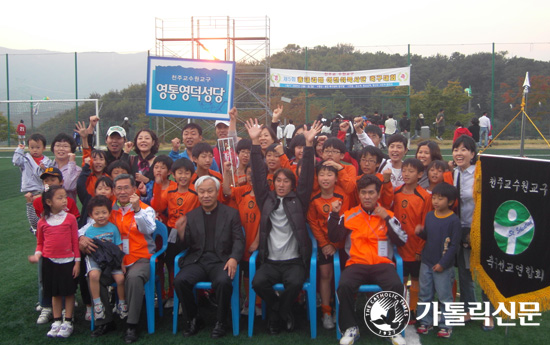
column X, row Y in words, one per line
column 245, row 152
column 332, row 152
column 123, row 188
column 368, row 161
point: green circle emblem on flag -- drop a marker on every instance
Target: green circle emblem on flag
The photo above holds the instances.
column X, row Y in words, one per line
column 514, row 227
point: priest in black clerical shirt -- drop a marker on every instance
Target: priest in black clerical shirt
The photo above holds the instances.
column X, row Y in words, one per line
column 213, row 235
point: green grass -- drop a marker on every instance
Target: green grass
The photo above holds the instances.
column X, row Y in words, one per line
column 18, row 295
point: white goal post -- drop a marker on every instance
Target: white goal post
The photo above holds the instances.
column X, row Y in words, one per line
column 39, row 101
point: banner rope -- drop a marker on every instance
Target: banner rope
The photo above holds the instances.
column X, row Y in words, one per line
column 522, row 111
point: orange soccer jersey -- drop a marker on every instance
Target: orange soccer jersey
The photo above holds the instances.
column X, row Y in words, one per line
column 411, row 210
column 159, row 202
column 318, row 212
column 175, row 203
column 346, row 179
column 249, row 212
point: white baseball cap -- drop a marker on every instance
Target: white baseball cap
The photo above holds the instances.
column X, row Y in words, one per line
column 221, row 122
column 116, row 129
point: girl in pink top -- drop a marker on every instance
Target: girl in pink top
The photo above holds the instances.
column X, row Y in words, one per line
column 57, row 244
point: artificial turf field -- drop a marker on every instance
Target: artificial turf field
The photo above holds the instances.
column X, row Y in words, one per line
column 18, row 295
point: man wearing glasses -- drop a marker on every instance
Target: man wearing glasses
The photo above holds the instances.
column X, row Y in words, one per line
column 136, row 223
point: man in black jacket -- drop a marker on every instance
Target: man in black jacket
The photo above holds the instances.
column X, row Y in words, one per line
column 285, row 247
column 214, row 237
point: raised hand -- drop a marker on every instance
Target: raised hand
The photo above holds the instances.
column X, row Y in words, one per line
column 176, row 142
column 312, row 132
column 82, row 130
column 72, row 157
column 254, row 129
column 128, row 146
column 94, row 119
column 233, row 113
column 336, row 206
column 277, row 112
column 344, row 126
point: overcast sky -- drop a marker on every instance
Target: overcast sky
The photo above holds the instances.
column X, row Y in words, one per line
column 429, row 26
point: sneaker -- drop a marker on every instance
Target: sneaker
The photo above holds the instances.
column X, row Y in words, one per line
column 424, row 329
column 445, row 332
column 258, row 311
column 398, row 340
column 350, row 336
column 56, row 326
column 169, row 303
column 328, row 321
column 66, row 330
column 122, row 310
column 45, row 316
column 88, row 316
column 38, row 307
column 99, row 311
column 244, row 309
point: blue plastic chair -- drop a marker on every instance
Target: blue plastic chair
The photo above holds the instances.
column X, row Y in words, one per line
column 362, row 288
column 153, row 281
column 235, row 296
column 310, row 287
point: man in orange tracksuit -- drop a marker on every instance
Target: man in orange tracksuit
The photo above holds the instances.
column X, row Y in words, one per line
column 370, row 227
column 136, row 223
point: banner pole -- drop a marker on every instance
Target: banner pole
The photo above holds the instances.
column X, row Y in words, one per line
column 526, row 86
column 307, row 97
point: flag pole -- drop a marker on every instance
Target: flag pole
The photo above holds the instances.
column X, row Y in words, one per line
column 526, row 87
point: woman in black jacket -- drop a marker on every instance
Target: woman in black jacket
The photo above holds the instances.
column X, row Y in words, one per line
column 285, row 247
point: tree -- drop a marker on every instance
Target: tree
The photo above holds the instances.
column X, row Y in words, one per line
column 4, row 130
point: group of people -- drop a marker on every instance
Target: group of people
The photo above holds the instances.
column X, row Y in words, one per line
column 360, row 203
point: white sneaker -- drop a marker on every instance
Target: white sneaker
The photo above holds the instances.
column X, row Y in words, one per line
column 258, row 311
column 328, row 321
column 244, row 310
column 56, row 326
column 99, row 311
column 38, row 307
column 350, row 336
column 398, row 340
column 122, row 310
column 88, row 316
column 45, row 316
column 169, row 303
column 66, row 330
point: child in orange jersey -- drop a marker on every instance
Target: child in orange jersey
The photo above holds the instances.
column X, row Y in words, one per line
column 317, row 216
column 371, row 158
column 411, row 203
column 202, row 157
column 436, row 174
column 334, row 151
column 244, row 199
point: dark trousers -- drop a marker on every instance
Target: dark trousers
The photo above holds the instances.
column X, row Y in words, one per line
column 208, row 268
column 291, row 273
column 384, row 275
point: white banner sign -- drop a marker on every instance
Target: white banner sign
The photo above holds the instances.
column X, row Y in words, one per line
column 340, row 80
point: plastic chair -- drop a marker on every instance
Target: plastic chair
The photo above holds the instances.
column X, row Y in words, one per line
column 235, row 296
column 362, row 288
column 310, row 286
column 152, row 282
